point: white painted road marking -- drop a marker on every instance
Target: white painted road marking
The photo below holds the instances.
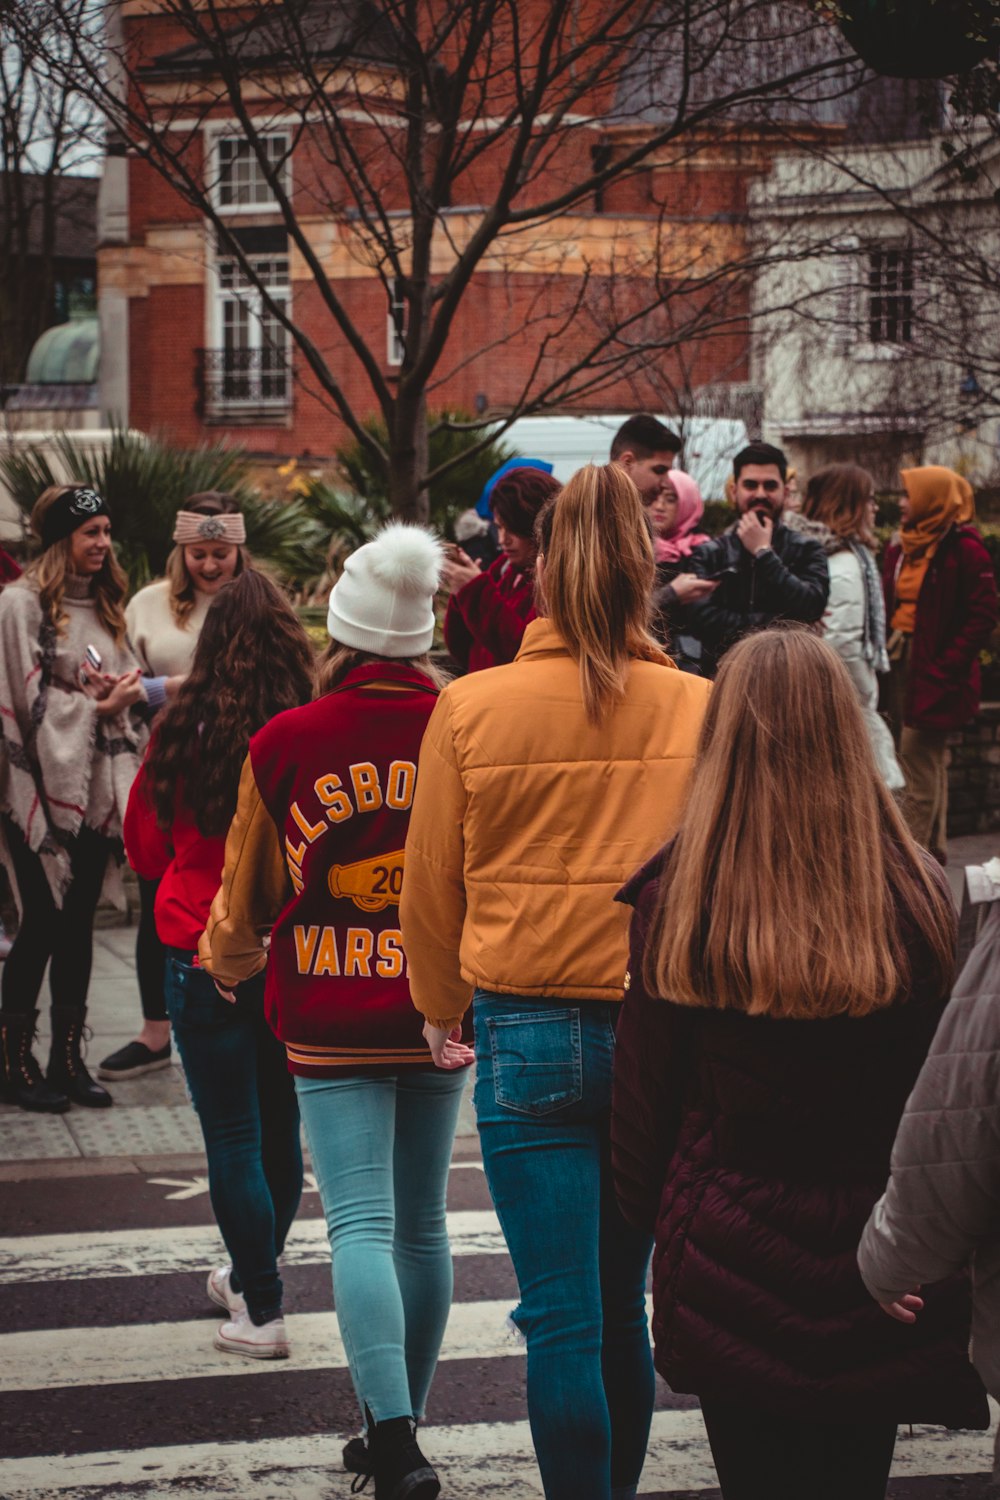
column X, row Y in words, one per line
column 155, row 1252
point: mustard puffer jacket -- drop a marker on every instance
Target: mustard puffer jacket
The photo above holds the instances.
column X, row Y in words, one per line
column 527, row 819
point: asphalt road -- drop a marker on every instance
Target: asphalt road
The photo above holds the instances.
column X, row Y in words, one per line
column 110, row 1386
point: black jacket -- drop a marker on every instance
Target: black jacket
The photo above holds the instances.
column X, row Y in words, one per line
column 791, row 581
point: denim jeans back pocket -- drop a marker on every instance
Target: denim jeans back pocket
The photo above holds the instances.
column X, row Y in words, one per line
column 192, row 999
column 537, row 1060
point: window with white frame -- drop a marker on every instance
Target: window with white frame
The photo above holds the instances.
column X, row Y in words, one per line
column 890, row 296
column 395, row 323
column 241, row 181
column 254, row 366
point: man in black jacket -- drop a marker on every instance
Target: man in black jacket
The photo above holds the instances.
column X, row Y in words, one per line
column 765, row 571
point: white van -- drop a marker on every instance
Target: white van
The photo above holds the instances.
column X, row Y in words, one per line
column 710, row 445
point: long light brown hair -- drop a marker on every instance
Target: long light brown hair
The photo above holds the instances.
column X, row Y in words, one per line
column 48, row 573
column 782, row 893
column 598, row 578
column 838, row 496
column 182, row 589
column 337, row 660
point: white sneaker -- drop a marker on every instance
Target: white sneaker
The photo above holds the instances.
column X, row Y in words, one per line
column 241, row 1336
column 222, row 1294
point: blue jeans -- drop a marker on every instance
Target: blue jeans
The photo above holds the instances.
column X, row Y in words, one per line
column 543, row 1102
column 381, row 1148
column 237, row 1073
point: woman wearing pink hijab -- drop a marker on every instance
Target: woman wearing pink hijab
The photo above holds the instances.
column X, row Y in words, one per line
column 673, row 517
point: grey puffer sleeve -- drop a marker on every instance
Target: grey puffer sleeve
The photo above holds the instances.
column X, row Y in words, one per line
column 942, row 1203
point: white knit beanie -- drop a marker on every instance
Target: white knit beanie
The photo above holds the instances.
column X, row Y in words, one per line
column 383, row 602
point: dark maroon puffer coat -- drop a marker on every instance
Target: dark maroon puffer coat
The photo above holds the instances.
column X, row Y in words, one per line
column 755, row 1149
column 956, row 615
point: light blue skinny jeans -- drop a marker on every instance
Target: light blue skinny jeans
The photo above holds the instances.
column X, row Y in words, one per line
column 381, row 1148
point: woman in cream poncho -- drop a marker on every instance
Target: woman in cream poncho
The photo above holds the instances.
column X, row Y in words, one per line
column 69, row 753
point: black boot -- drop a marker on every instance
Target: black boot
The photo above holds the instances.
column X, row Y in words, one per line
column 67, row 1069
column 21, row 1080
column 401, row 1470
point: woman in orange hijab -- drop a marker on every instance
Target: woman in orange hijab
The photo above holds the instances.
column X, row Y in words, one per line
column 941, row 604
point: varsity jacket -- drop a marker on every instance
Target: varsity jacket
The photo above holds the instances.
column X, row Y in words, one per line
column 315, row 858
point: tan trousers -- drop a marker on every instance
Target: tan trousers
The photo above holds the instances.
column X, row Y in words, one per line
column 922, row 755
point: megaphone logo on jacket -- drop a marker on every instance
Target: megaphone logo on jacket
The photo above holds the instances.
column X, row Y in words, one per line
column 372, row 884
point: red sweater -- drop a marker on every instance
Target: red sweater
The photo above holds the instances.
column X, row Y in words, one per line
column 187, row 864
column 486, row 619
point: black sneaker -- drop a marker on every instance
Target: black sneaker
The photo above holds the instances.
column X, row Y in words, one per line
column 133, row 1060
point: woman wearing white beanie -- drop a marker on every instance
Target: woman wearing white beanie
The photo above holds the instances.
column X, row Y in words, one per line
column 315, row 858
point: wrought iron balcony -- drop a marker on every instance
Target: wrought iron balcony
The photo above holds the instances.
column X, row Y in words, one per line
column 244, row 384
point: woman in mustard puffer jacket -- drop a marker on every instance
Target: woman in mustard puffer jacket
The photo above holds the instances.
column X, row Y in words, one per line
column 541, row 786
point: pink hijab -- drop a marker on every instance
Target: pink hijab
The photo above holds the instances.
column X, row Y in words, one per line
column 690, row 509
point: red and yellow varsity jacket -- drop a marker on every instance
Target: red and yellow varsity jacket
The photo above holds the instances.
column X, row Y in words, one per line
column 315, row 858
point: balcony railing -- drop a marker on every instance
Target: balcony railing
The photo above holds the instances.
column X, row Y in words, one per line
column 242, row 384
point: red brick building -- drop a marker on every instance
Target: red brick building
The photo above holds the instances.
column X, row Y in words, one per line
column 190, row 346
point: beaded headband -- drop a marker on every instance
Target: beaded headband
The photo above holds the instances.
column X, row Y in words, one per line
column 190, row 527
column 74, row 508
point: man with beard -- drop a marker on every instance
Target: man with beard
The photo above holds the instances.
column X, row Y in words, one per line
column 765, row 571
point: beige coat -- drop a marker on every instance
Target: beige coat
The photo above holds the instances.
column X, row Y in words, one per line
column 526, row 821
column 941, row 1210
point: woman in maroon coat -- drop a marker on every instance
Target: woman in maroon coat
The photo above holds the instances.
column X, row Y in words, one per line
column 487, row 611
column 941, row 605
column 804, row 945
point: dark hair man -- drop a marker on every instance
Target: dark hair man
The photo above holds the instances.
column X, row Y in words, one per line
column 646, row 450
column 766, row 572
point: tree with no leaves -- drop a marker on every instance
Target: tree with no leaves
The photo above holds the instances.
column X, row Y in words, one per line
column 435, row 142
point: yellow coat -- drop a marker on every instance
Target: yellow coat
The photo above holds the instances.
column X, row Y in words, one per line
column 526, row 821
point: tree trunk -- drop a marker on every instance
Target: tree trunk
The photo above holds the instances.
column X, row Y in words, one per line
column 408, row 460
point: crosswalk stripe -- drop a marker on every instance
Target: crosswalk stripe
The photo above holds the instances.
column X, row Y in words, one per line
column 45, row 1360
column 148, row 1252
column 472, row 1460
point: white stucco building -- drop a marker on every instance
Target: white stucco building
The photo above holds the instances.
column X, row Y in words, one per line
column 877, row 336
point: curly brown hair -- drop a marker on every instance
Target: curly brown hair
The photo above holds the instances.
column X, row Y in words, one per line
column 253, row 660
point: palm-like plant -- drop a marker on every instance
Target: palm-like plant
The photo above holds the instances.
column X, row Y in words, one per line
column 144, row 481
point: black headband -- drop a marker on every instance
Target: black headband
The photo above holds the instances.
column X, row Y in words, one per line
column 73, row 508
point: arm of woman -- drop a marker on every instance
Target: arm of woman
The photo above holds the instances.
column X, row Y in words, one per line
column 844, row 619
column 650, row 1050
column 255, row 887
column 944, row 1189
column 978, row 617
column 432, row 905
column 494, row 619
column 148, row 847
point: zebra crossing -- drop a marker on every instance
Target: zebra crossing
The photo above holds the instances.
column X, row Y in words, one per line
column 110, row 1386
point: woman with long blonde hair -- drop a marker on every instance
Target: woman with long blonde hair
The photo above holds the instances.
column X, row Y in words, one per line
column 541, row 785
column 69, row 752
column 792, row 953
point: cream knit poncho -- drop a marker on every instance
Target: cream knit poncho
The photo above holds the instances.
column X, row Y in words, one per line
column 60, row 764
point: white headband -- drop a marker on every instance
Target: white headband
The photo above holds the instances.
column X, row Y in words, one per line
column 191, row 527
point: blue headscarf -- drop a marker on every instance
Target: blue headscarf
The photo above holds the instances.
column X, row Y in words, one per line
column 483, row 505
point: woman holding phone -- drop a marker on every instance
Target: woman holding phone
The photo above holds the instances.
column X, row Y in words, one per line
column 72, row 738
column 164, row 622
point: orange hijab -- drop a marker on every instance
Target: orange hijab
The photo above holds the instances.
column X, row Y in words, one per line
column 938, row 498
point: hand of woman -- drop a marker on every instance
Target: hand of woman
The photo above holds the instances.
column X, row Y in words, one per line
column 126, row 691
column 96, row 685
column 226, row 994
column 458, row 571
column 447, row 1048
column 688, row 588
column 906, row 1309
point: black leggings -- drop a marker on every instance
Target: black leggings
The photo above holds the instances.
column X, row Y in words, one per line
column 150, row 955
column 762, row 1457
column 65, row 934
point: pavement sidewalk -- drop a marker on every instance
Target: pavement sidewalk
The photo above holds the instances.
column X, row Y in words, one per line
column 152, row 1121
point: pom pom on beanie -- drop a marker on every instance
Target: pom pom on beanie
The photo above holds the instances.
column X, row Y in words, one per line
column 383, row 602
